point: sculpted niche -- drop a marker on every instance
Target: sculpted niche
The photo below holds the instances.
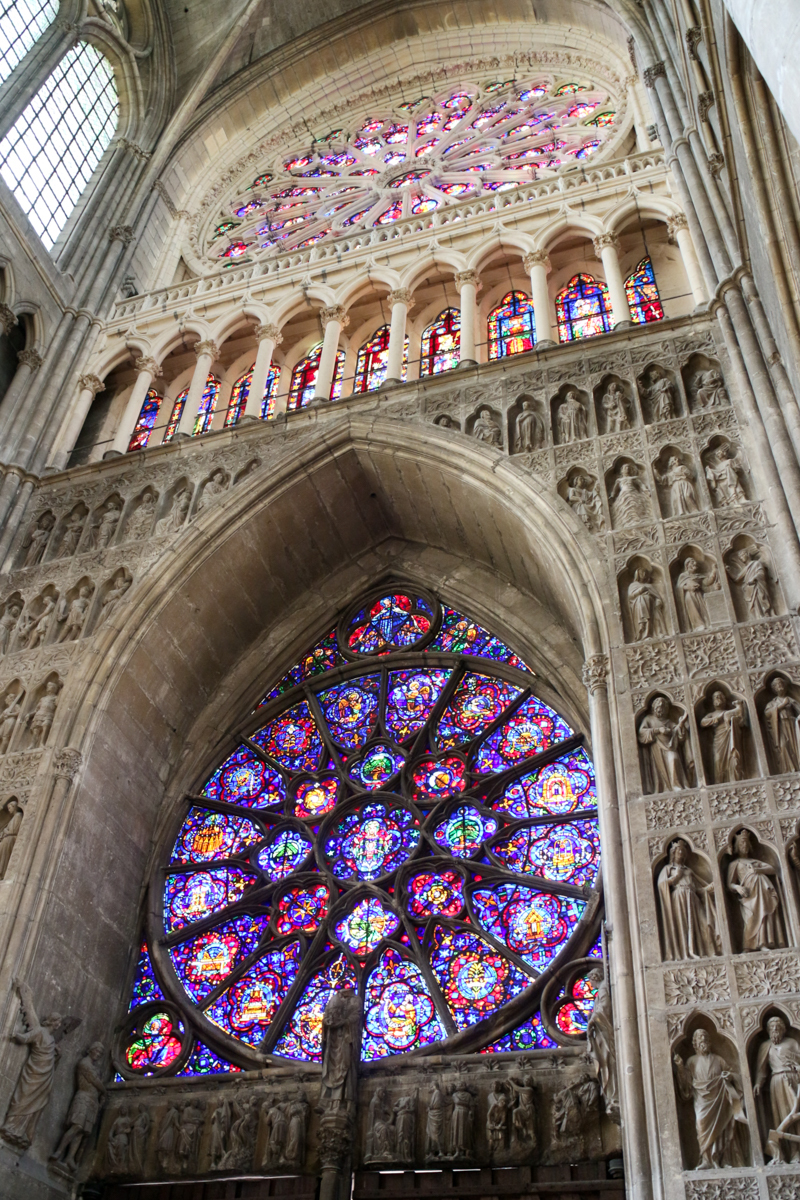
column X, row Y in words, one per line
column 724, row 725
column 754, row 582
column 614, row 406
column 665, row 747
column 687, row 906
column 704, row 383
column 643, row 597
column 628, row 495
column 725, row 473
column 779, row 704
column 695, row 578
column 712, row 1116
column 754, row 894
column 676, row 480
column 570, row 415
column 579, row 489
column 776, row 1086
column 660, row 394
column 528, row 430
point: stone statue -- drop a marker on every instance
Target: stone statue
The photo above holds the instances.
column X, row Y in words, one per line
column 461, row 1139
column 571, row 419
column 8, row 623
column 523, row 1114
column 486, row 429
column 727, row 763
column 168, row 1139
column 748, row 569
column 691, row 586
column 708, row 390
column 220, row 1131
column 141, row 1130
column 172, row 521
column 242, row 1135
column 782, row 724
column 35, row 1084
column 41, row 719
column 445, row 421
column 9, row 832
column 141, row 521
column 497, row 1118
column 73, row 528
column 779, row 1061
column 667, row 756
column 112, row 597
column 602, row 1044
column 9, row 714
column 191, row 1123
column 572, row 1108
column 530, row 433
column 646, row 606
column 615, row 409
column 295, row 1153
column 748, row 879
column 688, row 909
column 678, row 480
column 722, row 472
column 118, row 1146
column 435, row 1125
column 74, row 616
column 716, row 1093
column 584, row 501
column 661, row 395
column 340, row 1047
column 379, row 1145
column 629, row 504
column 38, row 539
column 83, row 1112
column 405, row 1128
column 41, row 624
column 276, row 1127
column 104, row 527
column 216, row 487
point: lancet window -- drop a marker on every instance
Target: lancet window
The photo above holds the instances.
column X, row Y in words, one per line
column 512, row 327
column 642, row 292
column 208, row 403
column 241, row 391
column 441, row 343
column 304, row 378
column 50, row 153
column 373, row 360
column 583, row 309
column 22, row 23
column 146, row 422
column 401, row 814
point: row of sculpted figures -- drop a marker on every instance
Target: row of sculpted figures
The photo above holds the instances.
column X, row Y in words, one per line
column 51, row 616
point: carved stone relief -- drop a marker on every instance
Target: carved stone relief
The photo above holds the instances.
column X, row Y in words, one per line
column 694, row 576
column 579, row 490
column 687, row 905
column 627, row 495
column 755, row 903
column 667, row 760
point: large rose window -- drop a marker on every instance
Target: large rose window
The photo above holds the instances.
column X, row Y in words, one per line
column 412, row 160
column 403, row 815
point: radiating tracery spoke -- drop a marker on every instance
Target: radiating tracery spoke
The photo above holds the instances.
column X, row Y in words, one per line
column 423, row 832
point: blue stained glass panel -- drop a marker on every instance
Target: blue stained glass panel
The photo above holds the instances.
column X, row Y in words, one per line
column 530, row 1035
column 302, row 1037
column 394, row 622
column 190, row 898
column 476, row 703
column 145, row 986
column 411, row 698
column 534, row 728
column 366, row 925
column 565, row 853
column 292, row 739
column 207, row 835
column 203, row 1061
column 350, row 710
column 204, row 961
column 399, row 1013
column 562, row 787
column 462, row 635
column 535, row 925
column 285, row 852
column 245, row 780
column 372, row 841
column 475, row 979
column 464, row 831
column 301, row 909
column 438, row 893
column 322, row 657
column 247, row 1007
column 377, row 767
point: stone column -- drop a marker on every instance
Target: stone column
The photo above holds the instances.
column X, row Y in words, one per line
column 147, row 370
column 88, row 387
column 606, row 247
column 206, row 353
column 14, row 399
column 467, row 284
column 537, row 264
column 678, row 229
column 268, row 337
column 334, row 320
column 771, row 31
column 400, row 300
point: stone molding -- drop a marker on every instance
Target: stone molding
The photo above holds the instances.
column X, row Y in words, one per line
column 121, row 233
column 461, row 278
column 401, row 296
column 147, row 364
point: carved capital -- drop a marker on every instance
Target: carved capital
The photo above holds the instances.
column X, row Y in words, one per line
column 30, row 358
column 91, row 383
column 466, row 277
column 134, row 147
column 704, row 102
column 209, row 348
column 595, row 672
column 534, row 259
column 632, row 53
column 334, row 312
column 603, row 241
column 693, row 35
column 716, row 163
column 401, row 296
column 67, row 763
column 148, row 364
column 674, row 224
column 269, row 331
column 8, row 318
column 651, row 74
column 121, row 233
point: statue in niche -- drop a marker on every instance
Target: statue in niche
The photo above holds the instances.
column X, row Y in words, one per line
column 747, row 568
column 220, row 1130
column 118, row 1146
column 445, row 421
column 141, row 1130
column 74, row 615
column 726, row 752
column 103, row 529
column 73, row 528
column 41, row 624
column 615, row 409
column 276, row 1126
column 90, row 1092
column 572, row 1108
column 461, row 1141
column 661, row 395
column 722, row 472
column 571, row 419
column 584, row 501
column 113, row 597
column 530, row 434
column 757, row 896
column 214, row 490
column 688, row 908
column 602, row 1044
column 629, row 504
column 782, row 723
column 716, row 1093
column 646, row 606
column 435, row 1132
column 242, row 1136
column 297, row 1113
column 497, row 1118
column 486, row 429
column 38, row 539
column 692, row 585
column 340, row 1031
column 35, row 1084
column 9, row 715
column 523, row 1114
column 192, row 1117
column 141, row 521
column 8, row 623
column 405, row 1127
column 41, row 719
column 168, row 1139
column 667, row 754
column 174, row 519
column 708, row 390
column 9, row 833
column 379, row 1146
column 779, row 1061
column 678, row 479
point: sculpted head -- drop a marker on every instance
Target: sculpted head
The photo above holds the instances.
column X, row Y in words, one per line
column 776, row 1028
column 701, row 1041
column 52, row 688
column 641, row 575
column 53, row 1021
column 718, row 701
column 742, row 843
column 678, row 851
column 778, row 686
column 96, row 1051
column 660, row 707
column 595, row 976
column 691, row 565
column 628, row 469
column 485, row 414
column 12, row 806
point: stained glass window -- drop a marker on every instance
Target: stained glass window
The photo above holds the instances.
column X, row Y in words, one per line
column 205, row 413
column 53, row 148
column 22, row 22
column 512, row 328
column 441, row 343
column 147, row 419
column 304, row 378
column 583, row 309
column 642, row 292
column 175, row 416
column 241, row 390
column 373, row 360
column 403, row 816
